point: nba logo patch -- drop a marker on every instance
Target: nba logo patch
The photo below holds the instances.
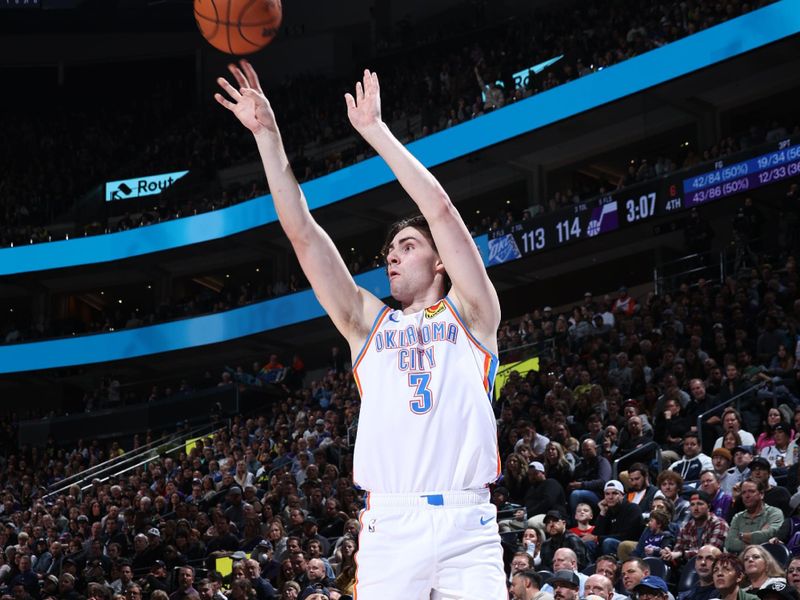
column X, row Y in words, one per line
column 371, row 526
column 434, row 310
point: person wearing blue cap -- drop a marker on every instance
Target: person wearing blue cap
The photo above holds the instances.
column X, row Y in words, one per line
column 651, row 587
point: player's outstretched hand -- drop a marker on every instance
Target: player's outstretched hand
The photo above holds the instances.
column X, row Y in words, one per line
column 248, row 103
column 364, row 109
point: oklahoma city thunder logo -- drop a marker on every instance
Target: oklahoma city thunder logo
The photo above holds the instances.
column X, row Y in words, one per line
column 434, row 310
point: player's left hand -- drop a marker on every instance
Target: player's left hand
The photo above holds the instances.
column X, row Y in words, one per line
column 364, row 109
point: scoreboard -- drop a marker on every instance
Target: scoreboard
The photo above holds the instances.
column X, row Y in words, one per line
column 636, row 204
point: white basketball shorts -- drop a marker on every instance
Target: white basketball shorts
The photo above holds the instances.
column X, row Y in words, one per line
column 423, row 546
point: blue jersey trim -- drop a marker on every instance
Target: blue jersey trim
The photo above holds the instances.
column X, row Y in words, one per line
column 494, row 361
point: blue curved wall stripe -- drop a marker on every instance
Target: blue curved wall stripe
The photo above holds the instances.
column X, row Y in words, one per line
column 761, row 27
column 176, row 335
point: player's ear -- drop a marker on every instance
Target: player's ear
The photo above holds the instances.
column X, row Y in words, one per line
column 439, row 265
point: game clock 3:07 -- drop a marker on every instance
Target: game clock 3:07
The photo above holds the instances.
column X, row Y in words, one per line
column 643, row 207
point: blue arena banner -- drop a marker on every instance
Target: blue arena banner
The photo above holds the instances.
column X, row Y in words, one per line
column 732, row 38
column 184, row 333
column 137, row 187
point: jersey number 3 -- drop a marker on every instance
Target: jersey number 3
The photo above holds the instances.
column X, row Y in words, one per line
column 423, row 398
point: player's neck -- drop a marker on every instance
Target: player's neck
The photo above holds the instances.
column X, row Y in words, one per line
column 422, row 300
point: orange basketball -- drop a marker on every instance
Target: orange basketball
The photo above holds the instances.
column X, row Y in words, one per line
column 238, row 26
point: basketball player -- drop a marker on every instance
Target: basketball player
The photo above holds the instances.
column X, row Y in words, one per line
column 426, row 370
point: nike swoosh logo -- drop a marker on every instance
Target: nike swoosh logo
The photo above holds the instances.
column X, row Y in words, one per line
column 485, row 521
column 394, row 318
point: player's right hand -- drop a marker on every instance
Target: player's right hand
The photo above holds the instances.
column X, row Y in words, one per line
column 248, row 103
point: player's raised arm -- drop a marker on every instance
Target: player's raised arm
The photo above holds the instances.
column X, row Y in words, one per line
column 472, row 289
column 351, row 308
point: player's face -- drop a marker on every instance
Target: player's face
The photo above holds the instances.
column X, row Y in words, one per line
column 411, row 264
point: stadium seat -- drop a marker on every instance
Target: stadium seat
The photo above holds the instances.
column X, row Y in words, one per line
column 545, row 575
column 779, row 552
column 688, row 577
column 511, row 538
column 657, row 567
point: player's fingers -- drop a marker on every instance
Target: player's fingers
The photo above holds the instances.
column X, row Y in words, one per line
column 350, row 101
column 238, row 75
column 375, row 82
column 224, row 101
column 359, row 91
column 251, row 74
column 225, row 85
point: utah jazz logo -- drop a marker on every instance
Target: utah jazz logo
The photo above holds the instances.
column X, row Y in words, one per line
column 434, row 310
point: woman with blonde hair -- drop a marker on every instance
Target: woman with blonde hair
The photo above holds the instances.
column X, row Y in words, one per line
column 760, row 568
column 556, row 465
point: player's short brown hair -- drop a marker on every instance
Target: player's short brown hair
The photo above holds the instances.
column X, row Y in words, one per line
column 418, row 222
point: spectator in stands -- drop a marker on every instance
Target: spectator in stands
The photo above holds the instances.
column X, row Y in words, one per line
column 757, row 523
column 515, row 478
column 774, row 495
column 526, row 585
column 728, row 574
column 670, row 484
column 543, row 494
column 722, row 459
column 793, row 572
column 640, row 490
column 720, row 501
column 565, row 561
column 732, row 422
column 634, row 570
column 704, row 589
column 599, row 585
column 760, row 568
column 558, row 537
column 766, row 438
column 670, row 426
column 624, row 304
column 776, row 453
column 655, row 537
column 651, row 587
column 618, row 520
column 694, row 461
column 589, row 477
column 633, row 436
column 704, row 528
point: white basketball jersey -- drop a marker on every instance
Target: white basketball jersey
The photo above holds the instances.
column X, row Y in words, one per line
column 426, row 422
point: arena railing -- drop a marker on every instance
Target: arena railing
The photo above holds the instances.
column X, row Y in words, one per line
column 122, row 464
column 709, row 264
column 703, row 417
column 645, row 449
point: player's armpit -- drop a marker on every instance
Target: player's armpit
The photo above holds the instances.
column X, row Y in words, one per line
column 351, row 308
